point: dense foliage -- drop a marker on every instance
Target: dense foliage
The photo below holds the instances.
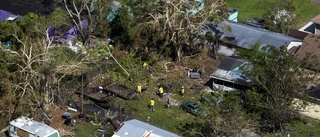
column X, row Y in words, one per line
column 35, row 68
column 281, row 16
column 279, row 81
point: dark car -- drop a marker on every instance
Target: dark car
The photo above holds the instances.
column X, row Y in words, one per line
column 257, row 22
column 314, row 91
column 193, row 108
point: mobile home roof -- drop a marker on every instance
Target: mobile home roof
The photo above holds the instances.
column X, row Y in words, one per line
column 31, row 126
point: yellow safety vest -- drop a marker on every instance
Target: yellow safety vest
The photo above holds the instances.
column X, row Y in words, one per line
column 145, row 64
column 161, row 90
column 182, row 91
column 152, row 102
column 139, row 88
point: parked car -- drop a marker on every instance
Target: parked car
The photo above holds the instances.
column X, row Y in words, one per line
column 193, row 108
column 257, row 22
column 314, row 91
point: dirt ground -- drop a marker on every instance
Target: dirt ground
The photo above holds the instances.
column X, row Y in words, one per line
column 311, row 111
column 57, row 122
column 56, row 114
column 205, row 66
column 316, row 2
column 192, row 86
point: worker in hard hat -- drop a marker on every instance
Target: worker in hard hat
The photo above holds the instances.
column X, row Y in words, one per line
column 139, row 88
column 161, row 92
column 145, row 65
column 182, row 91
column 152, row 104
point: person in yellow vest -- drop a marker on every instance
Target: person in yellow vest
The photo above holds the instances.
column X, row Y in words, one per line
column 161, row 91
column 182, row 91
column 152, row 104
column 139, row 88
column 145, row 65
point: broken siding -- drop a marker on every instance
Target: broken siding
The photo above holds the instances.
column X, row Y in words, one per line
column 230, row 76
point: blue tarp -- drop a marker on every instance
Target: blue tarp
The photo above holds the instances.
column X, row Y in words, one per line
column 67, row 35
column 5, row 14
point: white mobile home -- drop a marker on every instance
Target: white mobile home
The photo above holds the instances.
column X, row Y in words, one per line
column 223, row 80
column 228, row 75
column 26, row 127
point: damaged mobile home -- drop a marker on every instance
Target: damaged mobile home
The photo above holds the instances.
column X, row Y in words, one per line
column 26, row 127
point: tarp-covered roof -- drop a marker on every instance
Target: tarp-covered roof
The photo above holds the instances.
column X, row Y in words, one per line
column 4, row 14
column 136, row 128
column 245, row 36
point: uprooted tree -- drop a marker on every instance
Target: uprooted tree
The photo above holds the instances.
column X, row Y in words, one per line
column 89, row 17
column 179, row 25
column 278, row 79
column 225, row 118
column 169, row 28
column 35, row 64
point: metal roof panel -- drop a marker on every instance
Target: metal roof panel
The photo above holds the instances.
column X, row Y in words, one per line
column 246, row 35
column 136, row 128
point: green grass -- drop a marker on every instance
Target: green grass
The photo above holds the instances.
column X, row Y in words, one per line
column 168, row 119
column 85, row 129
column 248, row 9
column 306, row 128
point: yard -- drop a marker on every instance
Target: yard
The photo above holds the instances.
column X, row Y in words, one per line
column 166, row 73
column 174, row 75
column 306, row 9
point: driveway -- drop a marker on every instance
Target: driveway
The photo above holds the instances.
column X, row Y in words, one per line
column 312, row 111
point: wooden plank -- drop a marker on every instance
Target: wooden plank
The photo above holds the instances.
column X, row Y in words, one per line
column 22, row 133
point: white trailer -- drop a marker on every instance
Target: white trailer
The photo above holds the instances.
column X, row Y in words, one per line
column 26, row 127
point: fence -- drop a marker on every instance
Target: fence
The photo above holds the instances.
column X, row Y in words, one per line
column 73, row 82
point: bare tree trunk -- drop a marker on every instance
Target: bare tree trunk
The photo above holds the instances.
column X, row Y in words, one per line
column 177, row 52
column 178, row 56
